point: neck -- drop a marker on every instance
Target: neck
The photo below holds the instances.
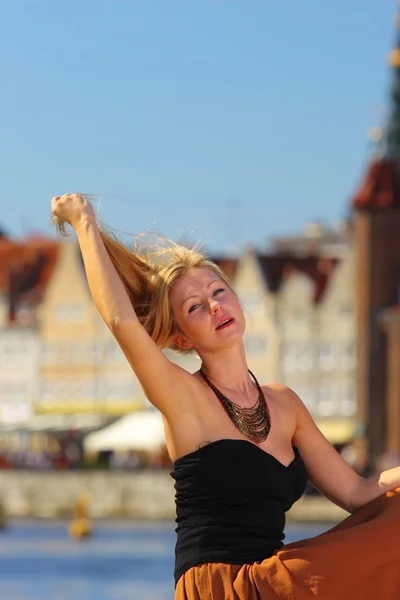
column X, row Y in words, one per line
column 228, row 369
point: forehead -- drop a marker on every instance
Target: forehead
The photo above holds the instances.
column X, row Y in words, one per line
column 192, row 282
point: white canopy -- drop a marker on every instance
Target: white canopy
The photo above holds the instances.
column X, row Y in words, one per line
column 58, row 422
column 137, row 431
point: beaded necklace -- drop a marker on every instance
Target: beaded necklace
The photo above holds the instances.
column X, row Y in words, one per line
column 253, row 422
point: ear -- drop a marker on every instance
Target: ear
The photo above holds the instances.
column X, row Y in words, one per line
column 182, row 342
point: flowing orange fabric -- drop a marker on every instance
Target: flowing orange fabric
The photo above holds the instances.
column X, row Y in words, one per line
column 359, row 559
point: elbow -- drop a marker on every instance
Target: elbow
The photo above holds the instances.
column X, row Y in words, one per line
column 114, row 324
column 118, row 324
column 355, row 499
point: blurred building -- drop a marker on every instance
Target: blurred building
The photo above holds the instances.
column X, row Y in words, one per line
column 301, row 330
column 24, row 268
column 315, row 239
column 82, row 369
column 377, row 241
column 56, row 354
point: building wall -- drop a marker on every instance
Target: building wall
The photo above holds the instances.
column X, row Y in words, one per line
column 18, row 373
column 297, row 326
column 69, row 350
column 317, row 358
column 119, row 390
column 81, row 367
column 377, row 282
column 336, row 348
column 261, row 335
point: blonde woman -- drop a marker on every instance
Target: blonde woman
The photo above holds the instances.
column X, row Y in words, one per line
column 242, row 451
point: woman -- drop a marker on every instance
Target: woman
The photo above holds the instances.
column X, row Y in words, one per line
column 242, row 452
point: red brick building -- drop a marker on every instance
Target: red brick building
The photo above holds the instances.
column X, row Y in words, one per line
column 377, row 241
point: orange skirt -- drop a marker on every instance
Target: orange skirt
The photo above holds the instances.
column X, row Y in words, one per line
column 359, row 559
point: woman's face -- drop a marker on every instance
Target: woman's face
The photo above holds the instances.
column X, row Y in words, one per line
column 206, row 311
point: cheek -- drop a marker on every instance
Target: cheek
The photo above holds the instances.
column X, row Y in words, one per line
column 195, row 326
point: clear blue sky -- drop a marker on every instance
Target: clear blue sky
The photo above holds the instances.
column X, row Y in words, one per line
column 237, row 119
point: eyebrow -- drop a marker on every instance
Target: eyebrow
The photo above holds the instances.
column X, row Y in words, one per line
column 195, row 295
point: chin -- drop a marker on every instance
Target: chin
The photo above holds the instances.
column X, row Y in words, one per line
column 231, row 339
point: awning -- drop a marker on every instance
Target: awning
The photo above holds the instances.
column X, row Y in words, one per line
column 59, row 422
column 138, row 431
column 337, row 430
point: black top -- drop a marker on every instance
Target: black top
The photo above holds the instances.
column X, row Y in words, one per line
column 231, row 498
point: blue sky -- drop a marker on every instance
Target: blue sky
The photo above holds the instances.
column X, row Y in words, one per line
column 226, row 121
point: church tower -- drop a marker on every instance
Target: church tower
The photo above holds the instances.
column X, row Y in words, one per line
column 376, row 208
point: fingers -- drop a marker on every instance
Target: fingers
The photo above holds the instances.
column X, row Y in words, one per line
column 393, row 492
column 54, row 202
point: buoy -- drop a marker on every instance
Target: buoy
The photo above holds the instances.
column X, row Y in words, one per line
column 81, row 526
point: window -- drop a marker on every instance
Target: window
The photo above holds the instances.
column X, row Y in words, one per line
column 15, row 348
column 55, row 353
column 95, row 351
column 48, row 355
column 79, row 352
column 85, row 351
column 326, row 401
column 346, row 312
column 119, row 389
column 348, row 355
column 14, row 391
column 84, row 390
column 70, row 313
column 297, row 355
column 305, row 356
column 288, row 356
column 307, row 395
column 114, row 352
column 348, row 402
column 47, row 391
column 326, row 358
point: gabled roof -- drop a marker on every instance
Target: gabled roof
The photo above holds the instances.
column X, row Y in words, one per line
column 278, row 267
column 25, row 269
column 227, row 265
column 380, row 189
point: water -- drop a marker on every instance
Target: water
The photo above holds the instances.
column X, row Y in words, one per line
column 123, row 560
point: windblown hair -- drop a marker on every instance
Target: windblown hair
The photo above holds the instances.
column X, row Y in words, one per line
column 148, row 270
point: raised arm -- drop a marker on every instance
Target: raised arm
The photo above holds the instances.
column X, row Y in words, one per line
column 163, row 382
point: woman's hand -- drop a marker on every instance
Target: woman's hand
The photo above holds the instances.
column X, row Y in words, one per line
column 71, row 208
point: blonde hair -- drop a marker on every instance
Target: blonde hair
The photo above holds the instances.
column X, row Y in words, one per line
column 148, row 270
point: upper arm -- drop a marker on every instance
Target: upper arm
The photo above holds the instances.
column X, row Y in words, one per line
column 164, row 383
column 327, row 470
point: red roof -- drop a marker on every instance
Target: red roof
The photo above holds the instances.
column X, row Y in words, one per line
column 227, row 265
column 381, row 186
column 277, row 268
column 25, row 269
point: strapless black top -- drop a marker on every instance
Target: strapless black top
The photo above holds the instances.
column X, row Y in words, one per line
column 231, row 498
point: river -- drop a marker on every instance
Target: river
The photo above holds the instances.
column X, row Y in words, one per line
column 123, row 560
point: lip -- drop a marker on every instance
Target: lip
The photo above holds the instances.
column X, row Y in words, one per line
column 226, row 318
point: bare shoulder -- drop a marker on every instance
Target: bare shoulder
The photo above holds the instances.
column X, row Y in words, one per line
column 280, row 392
column 281, row 398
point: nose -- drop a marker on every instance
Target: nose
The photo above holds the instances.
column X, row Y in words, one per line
column 215, row 306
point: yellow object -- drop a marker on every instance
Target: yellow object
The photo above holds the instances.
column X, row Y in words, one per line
column 337, row 431
column 394, row 58
column 81, row 526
